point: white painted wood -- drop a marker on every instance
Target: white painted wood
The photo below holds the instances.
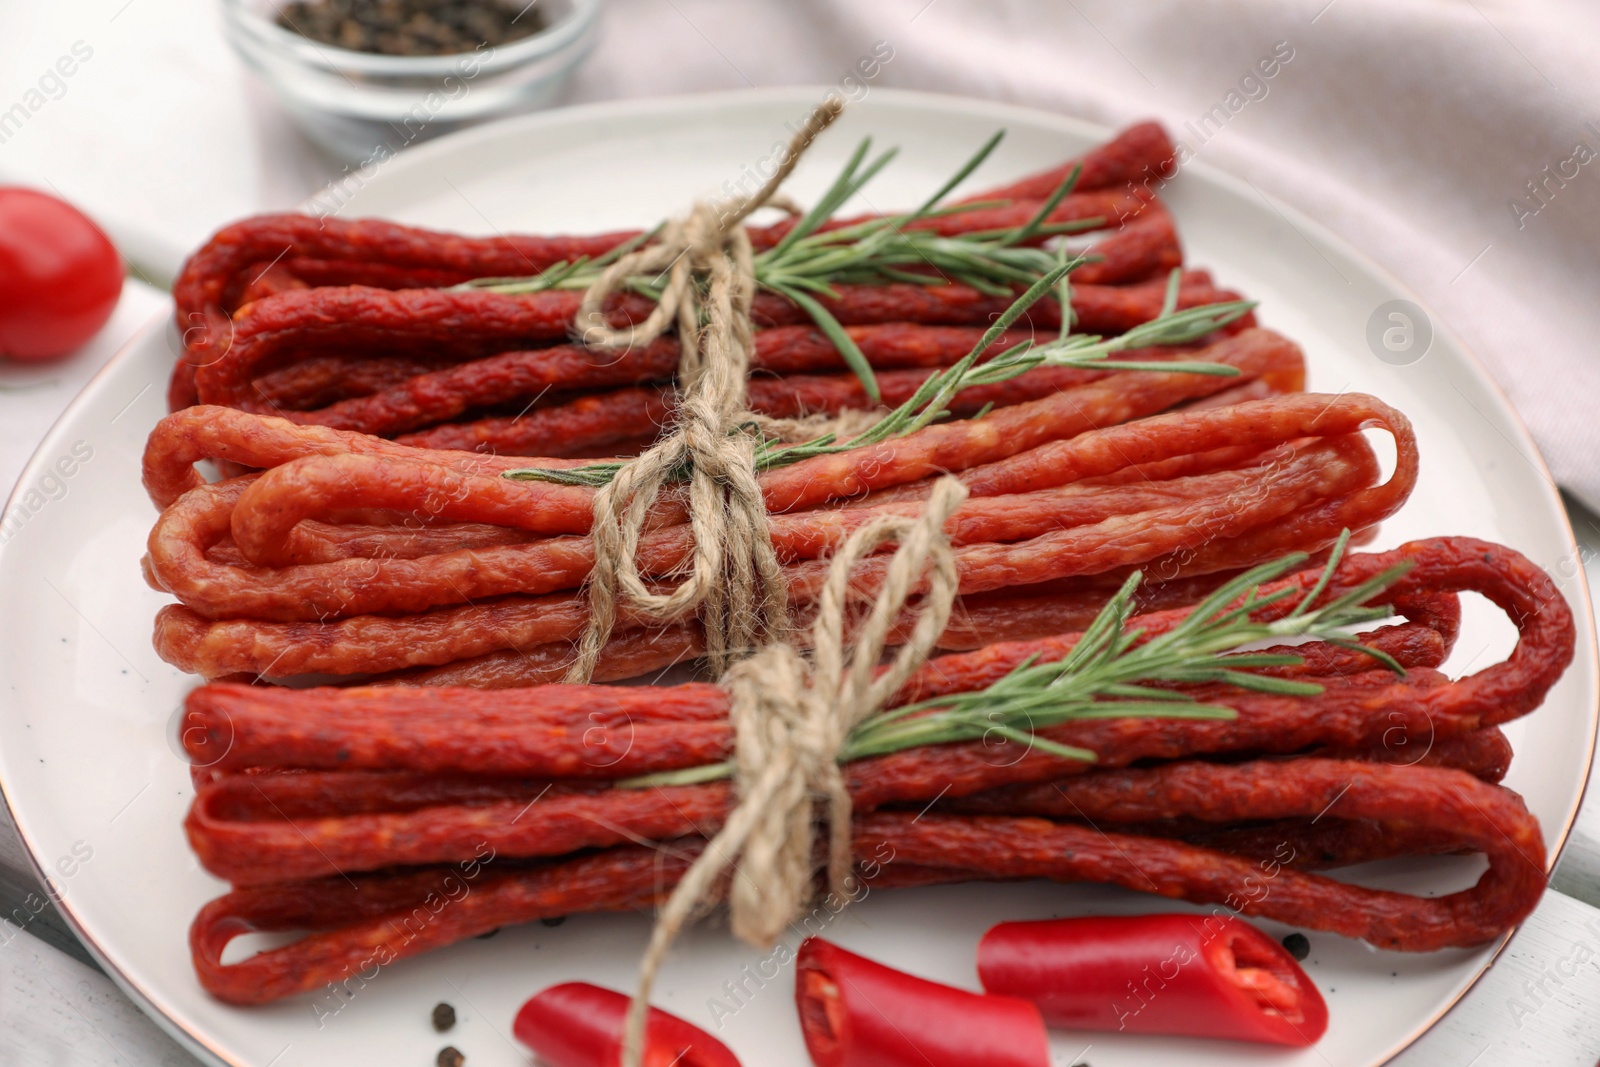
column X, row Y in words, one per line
column 1578, row 873
column 33, row 395
column 1536, row 1006
column 25, row 907
column 13, row 856
column 58, row 1012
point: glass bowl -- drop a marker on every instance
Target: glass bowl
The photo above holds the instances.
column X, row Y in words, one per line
column 361, row 106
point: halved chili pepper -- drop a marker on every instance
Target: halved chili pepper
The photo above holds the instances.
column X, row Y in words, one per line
column 857, row 1013
column 1197, row 975
column 576, row 1024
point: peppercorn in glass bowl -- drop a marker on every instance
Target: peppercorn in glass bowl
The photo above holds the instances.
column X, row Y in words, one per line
column 366, row 78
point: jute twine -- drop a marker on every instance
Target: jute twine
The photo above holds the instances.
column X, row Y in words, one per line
column 733, row 580
column 790, row 718
column 790, row 715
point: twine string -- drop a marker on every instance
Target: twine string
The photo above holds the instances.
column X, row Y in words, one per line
column 732, row 579
column 791, row 717
column 791, row 714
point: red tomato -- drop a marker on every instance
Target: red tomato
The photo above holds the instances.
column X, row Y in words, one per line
column 59, row 276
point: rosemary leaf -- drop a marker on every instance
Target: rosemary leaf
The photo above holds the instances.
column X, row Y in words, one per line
column 837, row 193
column 1169, row 301
column 1031, row 227
column 809, row 261
column 854, row 358
column 961, row 175
column 1112, row 672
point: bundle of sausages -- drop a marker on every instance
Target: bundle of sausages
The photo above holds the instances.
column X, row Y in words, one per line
column 347, row 555
column 299, row 317
column 351, row 555
column 506, row 807
column 363, row 413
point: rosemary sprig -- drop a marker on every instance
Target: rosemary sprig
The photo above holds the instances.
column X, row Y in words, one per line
column 1111, row 670
column 929, row 402
column 810, row 260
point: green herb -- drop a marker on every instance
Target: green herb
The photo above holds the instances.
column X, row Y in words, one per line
column 1110, row 671
column 809, row 260
column 929, row 402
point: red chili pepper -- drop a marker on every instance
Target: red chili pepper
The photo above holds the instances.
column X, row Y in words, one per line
column 580, row 1025
column 1202, row 976
column 857, row 1013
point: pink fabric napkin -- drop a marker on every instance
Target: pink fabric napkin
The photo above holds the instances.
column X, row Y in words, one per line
column 1456, row 142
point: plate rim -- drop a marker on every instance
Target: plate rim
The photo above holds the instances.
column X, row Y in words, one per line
column 687, row 103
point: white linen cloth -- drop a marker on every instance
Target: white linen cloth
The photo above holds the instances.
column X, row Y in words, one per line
column 1412, row 128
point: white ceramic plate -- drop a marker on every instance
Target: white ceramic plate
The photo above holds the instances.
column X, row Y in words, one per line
column 85, row 709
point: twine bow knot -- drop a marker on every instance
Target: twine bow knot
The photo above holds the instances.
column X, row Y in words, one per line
column 791, row 715
column 733, row 580
column 791, row 718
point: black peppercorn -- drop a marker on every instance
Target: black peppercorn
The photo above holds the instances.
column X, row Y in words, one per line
column 411, row 27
